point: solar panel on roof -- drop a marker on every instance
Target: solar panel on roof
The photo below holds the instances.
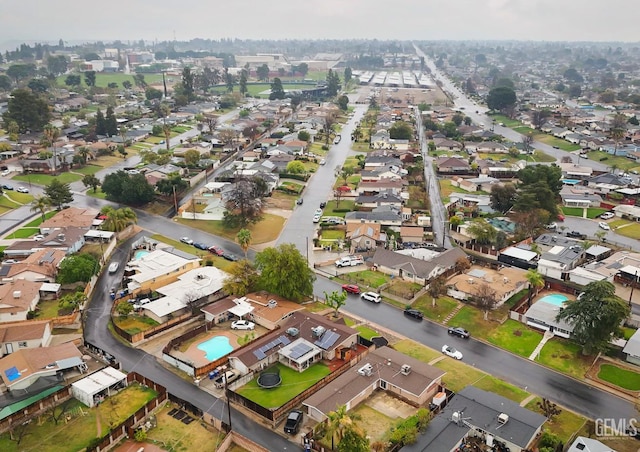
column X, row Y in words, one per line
column 328, row 339
column 299, row 350
column 259, row 354
column 284, row 340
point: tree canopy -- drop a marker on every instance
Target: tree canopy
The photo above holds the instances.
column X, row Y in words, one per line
column 77, row 267
column 400, row 130
column 277, row 91
column 285, row 272
column 58, row 193
column 595, row 317
column 132, row 189
column 28, row 110
column 501, row 98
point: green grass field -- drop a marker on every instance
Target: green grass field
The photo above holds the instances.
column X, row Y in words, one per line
column 618, row 376
column 330, row 209
column 367, row 332
column 564, row 425
column 592, row 212
column 266, row 230
column 293, row 383
column 566, row 357
column 444, row 306
column 508, row 122
column 45, row 179
column 631, row 231
column 23, row 233
column 87, row 169
column 368, row 278
column 619, row 161
column 515, row 337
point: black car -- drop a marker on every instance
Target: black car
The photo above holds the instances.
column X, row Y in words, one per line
column 576, row 235
column 323, row 205
column 201, row 246
column 7, row 187
column 294, row 421
column 460, row 332
column 230, row 257
column 413, row 313
column 299, row 201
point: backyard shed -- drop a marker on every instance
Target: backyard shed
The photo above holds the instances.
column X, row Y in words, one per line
column 91, row 390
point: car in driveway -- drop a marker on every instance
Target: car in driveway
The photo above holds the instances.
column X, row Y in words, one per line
column 414, row 313
column 460, row 332
column 186, row 240
column 351, row 288
column 371, row 296
column 603, row 225
column 451, row 352
column 242, row 325
column 293, row 422
column 5, row 173
column 216, row 250
column 607, row 215
column 576, row 235
column 22, row 189
column 201, row 246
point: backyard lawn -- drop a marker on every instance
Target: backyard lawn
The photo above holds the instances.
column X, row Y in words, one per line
column 266, row 230
column 444, row 306
column 293, row 383
column 566, row 357
column 515, row 337
column 372, row 421
column 176, row 435
column 133, row 323
column 85, row 423
column 367, row 332
column 47, row 309
column 618, row 376
column 564, row 425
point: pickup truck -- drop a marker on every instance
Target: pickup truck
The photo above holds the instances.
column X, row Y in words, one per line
column 231, row 376
column 349, row 261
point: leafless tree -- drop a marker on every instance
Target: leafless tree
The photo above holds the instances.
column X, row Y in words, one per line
column 18, row 432
column 191, row 299
column 485, row 298
column 437, row 287
column 549, row 409
column 211, row 121
column 57, row 411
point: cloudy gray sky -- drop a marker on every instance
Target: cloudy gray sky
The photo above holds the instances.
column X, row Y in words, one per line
column 548, row 20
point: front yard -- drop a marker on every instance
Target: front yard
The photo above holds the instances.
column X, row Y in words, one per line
column 134, row 323
column 622, row 163
column 368, row 278
column 566, row 357
column 293, row 383
column 443, row 307
column 515, row 337
column 334, row 210
column 619, row 376
column 632, row 231
column 592, row 212
column 266, row 230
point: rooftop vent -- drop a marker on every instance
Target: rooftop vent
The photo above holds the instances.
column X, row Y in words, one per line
column 318, row 331
column 366, row 370
column 503, row 418
column 405, row 369
column 272, row 303
column 17, row 294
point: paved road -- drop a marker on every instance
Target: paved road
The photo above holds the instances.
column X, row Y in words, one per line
column 523, row 373
column 96, row 318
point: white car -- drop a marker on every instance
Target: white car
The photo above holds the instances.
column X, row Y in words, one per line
column 113, row 267
column 186, row 240
column 371, row 296
column 242, row 325
column 323, row 162
column 38, row 237
column 604, row 226
column 5, row 173
column 316, row 218
column 607, row 215
column 451, row 352
column 318, row 212
column 22, row 190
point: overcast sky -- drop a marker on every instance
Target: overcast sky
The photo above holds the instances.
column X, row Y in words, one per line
column 548, row 20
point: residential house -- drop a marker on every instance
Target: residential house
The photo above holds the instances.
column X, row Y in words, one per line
column 473, row 412
column 607, row 269
column 607, row 182
column 365, row 236
column 269, row 310
column 452, row 165
column 444, row 144
column 413, row 269
column 373, row 162
column 394, row 186
column 518, row 257
column 381, row 199
column 17, row 336
column 71, row 216
column 505, row 282
column 412, row 234
column 502, row 170
column 40, row 266
column 218, row 312
column 542, row 315
column 198, row 286
column 628, row 212
column 69, row 240
column 390, row 216
column 383, row 368
column 157, row 269
column 491, row 147
column 17, row 299
column 576, row 197
column 584, row 444
column 317, row 336
column 632, row 349
column 24, row 367
column 469, row 203
column 576, row 172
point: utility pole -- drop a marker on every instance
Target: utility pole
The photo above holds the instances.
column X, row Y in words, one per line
column 226, row 391
column 635, row 281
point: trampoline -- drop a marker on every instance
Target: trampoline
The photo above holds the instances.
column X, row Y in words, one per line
column 270, row 379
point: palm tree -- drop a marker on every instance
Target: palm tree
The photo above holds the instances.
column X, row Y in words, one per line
column 536, row 281
column 50, row 135
column 118, row 219
column 40, row 204
column 339, row 422
column 84, row 152
column 244, row 240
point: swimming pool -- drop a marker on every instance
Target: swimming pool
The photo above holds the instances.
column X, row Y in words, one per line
column 140, row 253
column 554, row 299
column 216, row 347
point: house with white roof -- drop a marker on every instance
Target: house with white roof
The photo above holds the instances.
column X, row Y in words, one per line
column 158, row 268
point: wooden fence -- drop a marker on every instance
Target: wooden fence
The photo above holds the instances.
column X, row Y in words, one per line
column 35, row 409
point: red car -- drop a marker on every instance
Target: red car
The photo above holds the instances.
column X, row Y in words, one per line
column 351, row 288
column 216, row 250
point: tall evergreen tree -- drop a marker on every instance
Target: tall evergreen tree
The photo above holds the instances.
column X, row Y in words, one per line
column 101, row 125
column 111, row 124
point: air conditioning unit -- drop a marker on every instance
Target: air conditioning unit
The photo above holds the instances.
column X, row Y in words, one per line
column 503, row 418
column 455, row 417
column 405, row 369
column 292, row 331
column 272, row 303
column 318, row 331
column 366, row 370
column 17, row 294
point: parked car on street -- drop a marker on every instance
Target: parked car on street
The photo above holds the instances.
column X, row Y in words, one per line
column 576, row 235
column 371, row 296
column 186, row 240
column 460, row 332
column 7, row 187
column 451, row 352
column 299, row 201
column 413, row 313
column 22, row 189
column 230, row 256
column 201, row 246
column 216, row 250
column 242, row 325
column 351, row 288
column 603, row 225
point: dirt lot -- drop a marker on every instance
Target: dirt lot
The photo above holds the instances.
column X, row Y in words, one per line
column 402, row 97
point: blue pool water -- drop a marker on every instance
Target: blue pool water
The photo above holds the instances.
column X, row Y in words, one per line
column 555, row 299
column 216, row 347
column 570, row 181
column 140, row 253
